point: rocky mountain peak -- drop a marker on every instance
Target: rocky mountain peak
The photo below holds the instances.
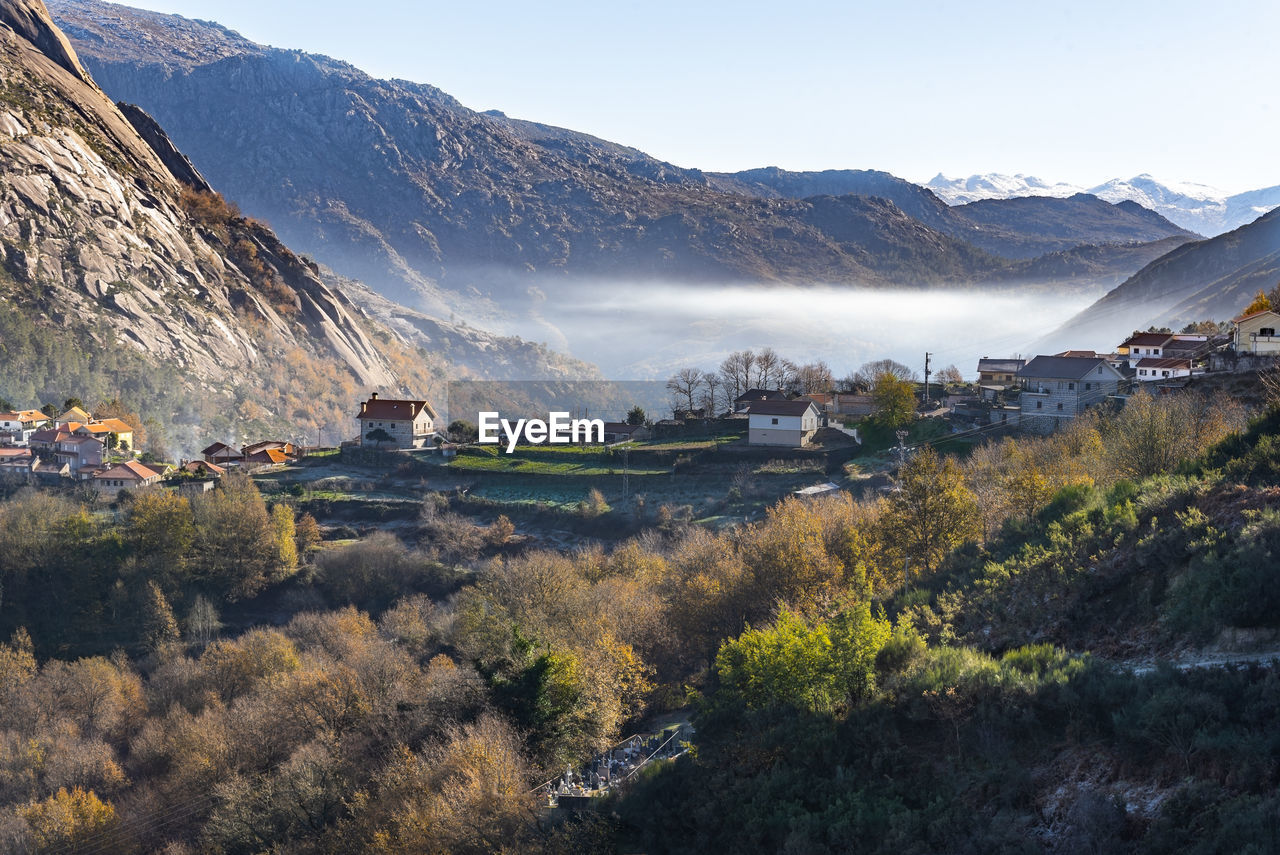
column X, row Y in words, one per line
column 30, row 20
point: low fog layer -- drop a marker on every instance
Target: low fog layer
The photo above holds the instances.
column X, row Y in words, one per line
column 647, row 331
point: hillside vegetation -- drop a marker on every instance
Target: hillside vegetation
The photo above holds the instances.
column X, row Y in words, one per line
column 414, row 690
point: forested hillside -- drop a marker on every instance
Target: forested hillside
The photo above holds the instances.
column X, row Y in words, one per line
column 414, row 688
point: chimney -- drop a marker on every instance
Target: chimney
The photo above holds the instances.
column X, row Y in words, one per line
column 411, row 407
column 364, row 405
column 373, row 397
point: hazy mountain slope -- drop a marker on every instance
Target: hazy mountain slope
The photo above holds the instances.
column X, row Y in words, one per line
column 1212, row 278
column 1198, row 207
column 118, row 279
column 398, row 184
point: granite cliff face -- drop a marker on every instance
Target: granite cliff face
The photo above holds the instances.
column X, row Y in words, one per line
column 399, row 185
column 94, row 226
column 114, row 249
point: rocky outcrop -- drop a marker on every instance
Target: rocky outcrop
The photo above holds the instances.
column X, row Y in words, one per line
column 30, row 21
column 178, row 164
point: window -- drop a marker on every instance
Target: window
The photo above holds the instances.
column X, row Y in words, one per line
column 1268, row 331
column 1099, row 369
column 775, row 421
column 1039, row 405
column 1071, row 386
column 1088, row 386
column 1059, row 405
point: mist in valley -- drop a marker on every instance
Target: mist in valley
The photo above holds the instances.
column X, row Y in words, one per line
column 647, row 331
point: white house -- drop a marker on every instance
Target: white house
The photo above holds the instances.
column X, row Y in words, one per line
column 406, row 424
column 18, row 426
column 1162, row 369
column 1144, row 345
column 789, row 423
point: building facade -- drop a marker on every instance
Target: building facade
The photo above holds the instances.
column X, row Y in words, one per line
column 1056, row 389
column 1256, row 333
column 393, row 424
column 786, row 423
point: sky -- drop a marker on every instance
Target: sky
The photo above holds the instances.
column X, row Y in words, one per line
column 1079, row 92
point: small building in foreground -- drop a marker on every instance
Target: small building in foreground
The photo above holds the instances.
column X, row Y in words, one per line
column 786, row 423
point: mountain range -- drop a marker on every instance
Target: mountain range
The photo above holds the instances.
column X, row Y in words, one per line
column 1197, row 207
column 446, row 208
column 124, row 276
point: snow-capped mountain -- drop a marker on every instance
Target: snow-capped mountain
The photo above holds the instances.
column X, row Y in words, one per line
column 1197, row 207
column 960, row 191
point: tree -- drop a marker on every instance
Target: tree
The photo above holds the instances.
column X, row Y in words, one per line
column 307, row 535
column 70, row 819
column 870, row 372
column 202, row 621
column 72, row 403
column 1153, row 435
column 816, row 667
column 161, row 529
column 810, row 378
column 737, row 371
column 683, row 386
column 461, row 430
column 236, row 550
column 894, row 400
column 636, row 415
column 1261, row 302
column 769, row 369
column 379, row 436
column 930, row 512
column 6, row 405
column 284, row 532
column 712, row 382
column 950, row 376
column 160, row 627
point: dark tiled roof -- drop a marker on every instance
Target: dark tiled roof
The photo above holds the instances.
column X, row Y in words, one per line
column 1064, row 367
column 986, row 364
column 760, row 395
column 781, row 408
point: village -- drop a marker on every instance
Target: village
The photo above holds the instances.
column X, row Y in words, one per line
column 806, row 436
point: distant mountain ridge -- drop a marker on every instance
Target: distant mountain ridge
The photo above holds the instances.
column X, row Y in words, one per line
column 399, row 185
column 1197, row 207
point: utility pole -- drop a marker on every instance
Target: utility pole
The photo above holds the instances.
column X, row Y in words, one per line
column 927, row 372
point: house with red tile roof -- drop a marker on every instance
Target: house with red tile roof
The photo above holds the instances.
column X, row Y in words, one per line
column 404, row 424
column 129, row 475
column 17, row 427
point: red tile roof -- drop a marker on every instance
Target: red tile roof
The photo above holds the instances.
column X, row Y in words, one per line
column 130, row 470
column 1146, row 339
column 1154, row 362
column 391, row 410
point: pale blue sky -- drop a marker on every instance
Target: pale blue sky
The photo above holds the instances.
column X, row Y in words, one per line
column 1079, row 92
